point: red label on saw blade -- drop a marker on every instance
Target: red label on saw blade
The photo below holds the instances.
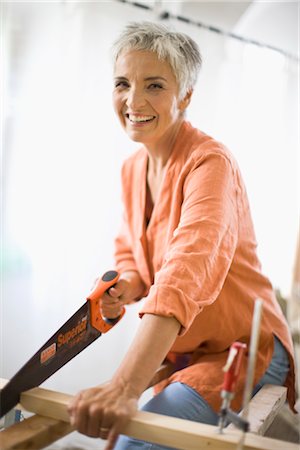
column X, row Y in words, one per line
column 48, row 353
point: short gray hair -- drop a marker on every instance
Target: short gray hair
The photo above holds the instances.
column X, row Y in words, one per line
column 181, row 52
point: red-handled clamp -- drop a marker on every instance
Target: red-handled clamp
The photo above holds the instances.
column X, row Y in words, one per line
column 232, row 370
column 232, row 367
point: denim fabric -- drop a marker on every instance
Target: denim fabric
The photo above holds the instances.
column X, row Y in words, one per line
column 179, row 400
column 278, row 368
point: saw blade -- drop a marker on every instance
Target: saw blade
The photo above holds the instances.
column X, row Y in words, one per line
column 73, row 337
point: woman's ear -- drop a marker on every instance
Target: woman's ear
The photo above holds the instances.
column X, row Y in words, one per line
column 184, row 103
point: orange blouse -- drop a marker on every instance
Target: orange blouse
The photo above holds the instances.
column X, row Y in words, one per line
column 197, row 258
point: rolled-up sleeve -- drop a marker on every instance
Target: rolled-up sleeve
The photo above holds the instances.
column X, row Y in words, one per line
column 200, row 251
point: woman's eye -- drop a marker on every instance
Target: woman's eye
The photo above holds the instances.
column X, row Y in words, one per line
column 121, row 84
column 155, row 86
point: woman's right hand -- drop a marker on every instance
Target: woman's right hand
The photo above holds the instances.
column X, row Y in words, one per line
column 128, row 289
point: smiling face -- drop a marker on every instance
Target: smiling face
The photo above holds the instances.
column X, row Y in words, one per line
column 145, row 97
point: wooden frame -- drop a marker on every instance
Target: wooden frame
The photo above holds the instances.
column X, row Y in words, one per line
column 51, row 422
column 264, row 407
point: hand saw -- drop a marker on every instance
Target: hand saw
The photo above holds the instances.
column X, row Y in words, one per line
column 83, row 328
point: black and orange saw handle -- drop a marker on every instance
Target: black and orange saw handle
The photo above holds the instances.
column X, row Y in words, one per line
column 103, row 324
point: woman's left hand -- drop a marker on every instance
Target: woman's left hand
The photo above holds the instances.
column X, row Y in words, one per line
column 102, row 411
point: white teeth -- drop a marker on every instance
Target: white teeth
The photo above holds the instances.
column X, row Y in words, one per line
column 140, row 118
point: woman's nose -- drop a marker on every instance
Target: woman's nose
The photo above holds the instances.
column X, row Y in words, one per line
column 135, row 99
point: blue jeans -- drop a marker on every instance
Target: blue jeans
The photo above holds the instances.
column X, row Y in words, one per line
column 179, row 400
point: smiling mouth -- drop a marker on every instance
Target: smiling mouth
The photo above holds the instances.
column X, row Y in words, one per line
column 139, row 118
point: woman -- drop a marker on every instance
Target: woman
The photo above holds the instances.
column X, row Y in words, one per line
column 187, row 244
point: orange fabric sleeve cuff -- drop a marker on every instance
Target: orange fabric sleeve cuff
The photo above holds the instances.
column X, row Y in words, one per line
column 164, row 300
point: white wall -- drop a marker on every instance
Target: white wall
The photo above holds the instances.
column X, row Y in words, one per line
column 63, row 150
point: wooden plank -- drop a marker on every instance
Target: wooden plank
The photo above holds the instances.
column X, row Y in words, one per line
column 187, row 435
column 264, row 407
column 164, row 430
column 33, row 433
column 38, row 431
